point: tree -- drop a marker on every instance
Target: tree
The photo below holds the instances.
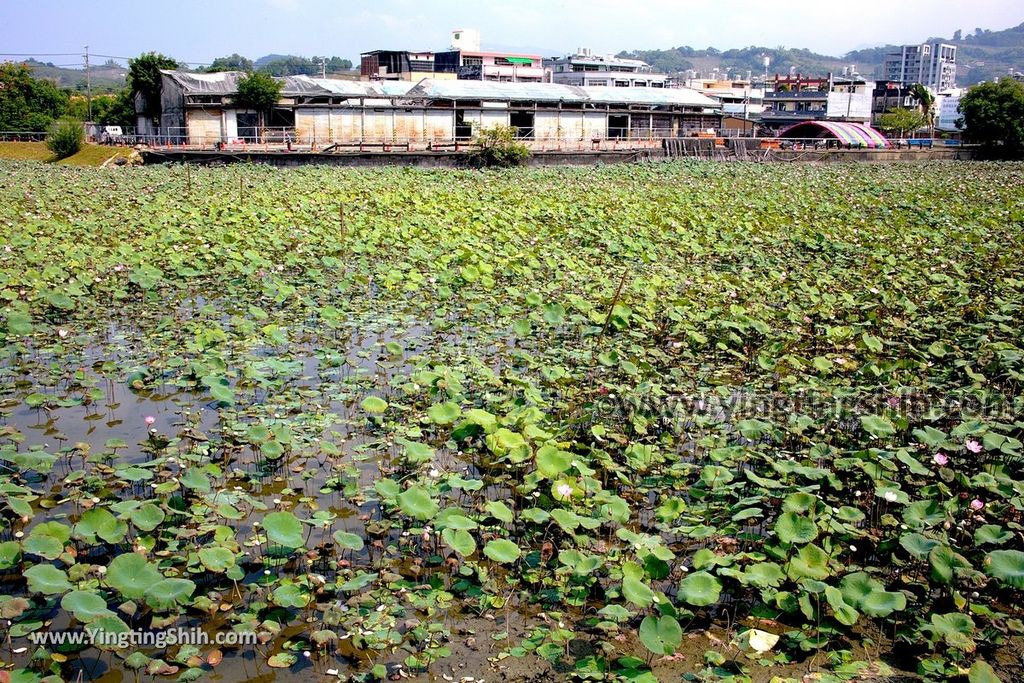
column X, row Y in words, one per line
column 27, row 103
column 992, row 115
column 258, row 91
column 233, row 62
column 117, row 109
column 926, row 101
column 144, row 77
column 291, row 65
column 899, row 122
column 65, row 138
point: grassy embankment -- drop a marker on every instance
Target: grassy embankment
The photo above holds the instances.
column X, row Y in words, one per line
column 89, row 155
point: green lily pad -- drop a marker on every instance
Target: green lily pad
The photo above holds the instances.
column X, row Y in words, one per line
column 1007, row 566
column 417, row 503
column 131, row 575
column 374, row 405
column 661, row 635
column 700, row 589
column 169, row 593
column 284, row 529
column 47, row 579
column 87, row 606
column 502, row 550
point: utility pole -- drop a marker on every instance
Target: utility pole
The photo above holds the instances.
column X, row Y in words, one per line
column 88, row 84
column 323, row 67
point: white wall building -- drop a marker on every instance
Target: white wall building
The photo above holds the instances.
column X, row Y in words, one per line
column 466, row 39
column 850, row 98
column 932, row 64
column 739, row 98
column 587, row 69
column 948, row 106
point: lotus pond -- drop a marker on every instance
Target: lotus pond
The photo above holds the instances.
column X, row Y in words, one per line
column 710, row 422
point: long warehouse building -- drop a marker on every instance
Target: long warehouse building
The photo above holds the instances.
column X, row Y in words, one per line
column 201, row 109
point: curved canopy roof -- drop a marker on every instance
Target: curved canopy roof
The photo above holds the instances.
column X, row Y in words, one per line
column 854, row 134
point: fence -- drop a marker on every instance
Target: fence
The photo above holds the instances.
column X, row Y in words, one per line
column 22, row 136
column 678, row 143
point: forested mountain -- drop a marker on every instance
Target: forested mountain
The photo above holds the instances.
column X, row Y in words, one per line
column 982, row 55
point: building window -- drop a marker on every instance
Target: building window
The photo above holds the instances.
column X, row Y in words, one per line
column 522, row 121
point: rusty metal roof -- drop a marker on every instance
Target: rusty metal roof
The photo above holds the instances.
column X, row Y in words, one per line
column 554, row 92
column 226, row 83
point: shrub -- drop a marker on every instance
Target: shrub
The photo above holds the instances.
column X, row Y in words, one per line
column 497, row 147
column 65, row 138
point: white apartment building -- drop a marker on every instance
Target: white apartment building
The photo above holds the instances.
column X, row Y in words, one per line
column 587, row 69
column 931, row 64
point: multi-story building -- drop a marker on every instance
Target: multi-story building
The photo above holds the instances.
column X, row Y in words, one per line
column 850, row 98
column 947, row 106
column 932, row 64
column 587, row 69
column 474, row 65
column 793, row 106
column 396, row 65
column 738, row 97
column 797, row 83
column 464, row 61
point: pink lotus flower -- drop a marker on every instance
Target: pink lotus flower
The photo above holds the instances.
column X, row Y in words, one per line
column 976, row 505
column 973, row 446
column 150, row 420
column 940, row 459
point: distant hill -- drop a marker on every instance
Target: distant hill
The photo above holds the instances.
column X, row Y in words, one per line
column 108, row 77
column 982, row 55
column 738, row 61
column 267, row 59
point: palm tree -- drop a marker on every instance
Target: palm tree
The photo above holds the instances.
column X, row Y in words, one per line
column 926, row 101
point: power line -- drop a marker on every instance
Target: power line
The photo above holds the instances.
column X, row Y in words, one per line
column 78, row 54
column 39, row 54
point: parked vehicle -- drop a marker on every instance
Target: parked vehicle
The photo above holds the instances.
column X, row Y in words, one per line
column 111, row 135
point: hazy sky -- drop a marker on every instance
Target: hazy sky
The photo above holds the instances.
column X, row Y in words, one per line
column 198, row 30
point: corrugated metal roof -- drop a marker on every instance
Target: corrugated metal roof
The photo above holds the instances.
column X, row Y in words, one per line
column 441, row 89
column 225, row 83
column 306, row 85
column 553, row 92
column 657, row 96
